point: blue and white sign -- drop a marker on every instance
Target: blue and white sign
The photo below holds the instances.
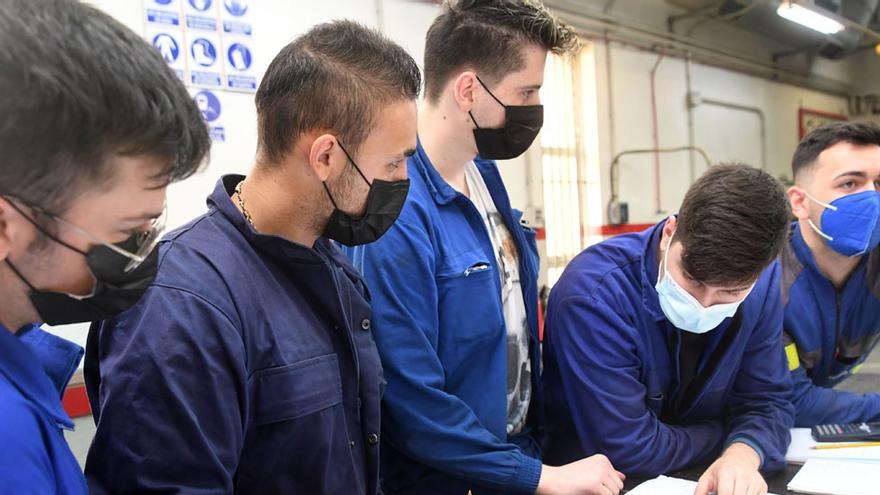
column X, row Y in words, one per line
column 203, row 52
column 167, row 46
column 201, row 15
column 209, row 104
column 237, row 8
column 239, row 57
column 163, row 30
column 238, row 45
column 240, row 74
column 165, row 12
column 201, row 5
column 204, row 60
column 167, row 40
column 169, row 18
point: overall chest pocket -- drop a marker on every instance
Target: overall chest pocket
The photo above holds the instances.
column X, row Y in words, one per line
column 299, row 428
column 469, row 298
column 296, row 390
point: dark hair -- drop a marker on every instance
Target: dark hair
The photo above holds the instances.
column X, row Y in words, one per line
column 488, row 36
column 76, row 88
column 826, row 136
column 732, row 224
column 337, row 76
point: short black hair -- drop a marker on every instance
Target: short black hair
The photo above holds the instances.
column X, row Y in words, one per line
column 76, row 88
column 732, row 224
column 826, row 136
column 487, row 36
column 337, row 76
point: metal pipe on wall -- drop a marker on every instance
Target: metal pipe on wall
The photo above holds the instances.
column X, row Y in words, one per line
column 590, row 20
column 655, row 131
column 690, row 117
column 745, row 108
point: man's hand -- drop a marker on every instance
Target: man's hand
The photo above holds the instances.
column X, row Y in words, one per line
column 591, row 476
column 734, row 473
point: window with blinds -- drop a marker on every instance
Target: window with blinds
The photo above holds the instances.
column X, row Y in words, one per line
column 569, row 159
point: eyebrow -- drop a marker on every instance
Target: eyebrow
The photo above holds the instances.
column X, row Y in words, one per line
column 406, row 154
column 737, row 289
column 531, row 86
column 145, row 216
column 852, row 173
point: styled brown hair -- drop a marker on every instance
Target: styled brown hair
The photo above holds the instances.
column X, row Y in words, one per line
column 337, row 76
column 488, row 36
column 732, row 224
column 826, row 136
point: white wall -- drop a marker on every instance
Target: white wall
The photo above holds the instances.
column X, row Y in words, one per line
column 724, row 133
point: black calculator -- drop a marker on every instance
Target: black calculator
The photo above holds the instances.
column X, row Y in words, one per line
column 852, row 432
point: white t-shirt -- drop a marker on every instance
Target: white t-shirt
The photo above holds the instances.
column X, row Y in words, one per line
column 519, row 369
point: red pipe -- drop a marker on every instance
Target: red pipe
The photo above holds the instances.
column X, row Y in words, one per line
column 655, row 131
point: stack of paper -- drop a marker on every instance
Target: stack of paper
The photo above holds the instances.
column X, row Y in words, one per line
column 802, row 444
column 663, row 485
column 834, row 477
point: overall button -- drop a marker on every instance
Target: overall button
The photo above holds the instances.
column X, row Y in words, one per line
column 352, row 443
column 373, row 439
column 365, row 324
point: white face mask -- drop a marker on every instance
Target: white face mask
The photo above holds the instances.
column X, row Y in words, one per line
column 683, row 310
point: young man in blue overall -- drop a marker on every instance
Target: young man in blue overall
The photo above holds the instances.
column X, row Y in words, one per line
column 454, row 281
column 662, row 347
column 249, row 366
column 88, row 145
column 831, row 271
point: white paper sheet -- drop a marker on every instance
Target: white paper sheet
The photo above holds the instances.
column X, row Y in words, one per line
column 664, row 485
column 836, row 477
column 802, row 444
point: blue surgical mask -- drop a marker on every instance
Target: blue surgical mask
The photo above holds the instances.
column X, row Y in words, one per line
column 683, row 310
column 850, row 223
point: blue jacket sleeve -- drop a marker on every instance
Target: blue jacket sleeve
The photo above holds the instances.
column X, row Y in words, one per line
column 171, row 398
column 819, row 405
column 420, row 418
column 25, row 466
column 595, row 349
column 759, row 411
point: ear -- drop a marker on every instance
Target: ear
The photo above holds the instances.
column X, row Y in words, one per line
column 463, row 88
column 322, row 155
column 798, row 200
column 671, row 225
column 9, row 220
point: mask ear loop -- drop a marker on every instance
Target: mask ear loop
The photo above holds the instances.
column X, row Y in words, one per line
column 19, row 275
column 666, row 258
column 324, row 183
column 490, row 94
column 44, row 231
column 354, row 164
column 810, row 220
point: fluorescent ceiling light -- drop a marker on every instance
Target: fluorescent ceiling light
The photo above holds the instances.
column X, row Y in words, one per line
column 808, row 17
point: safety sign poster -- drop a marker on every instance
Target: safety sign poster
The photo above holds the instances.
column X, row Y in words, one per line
column 212, row 110
column 208, row 43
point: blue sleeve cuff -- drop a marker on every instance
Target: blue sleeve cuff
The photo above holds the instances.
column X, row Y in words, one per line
column 527, row 475
column 748, row 441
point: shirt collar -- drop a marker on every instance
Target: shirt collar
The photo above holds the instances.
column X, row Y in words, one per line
column 650, row 269
column 21, row 366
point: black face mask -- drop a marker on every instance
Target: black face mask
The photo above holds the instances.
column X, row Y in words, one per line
column 521, row 126
column 384, row 202
column 115, row 288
